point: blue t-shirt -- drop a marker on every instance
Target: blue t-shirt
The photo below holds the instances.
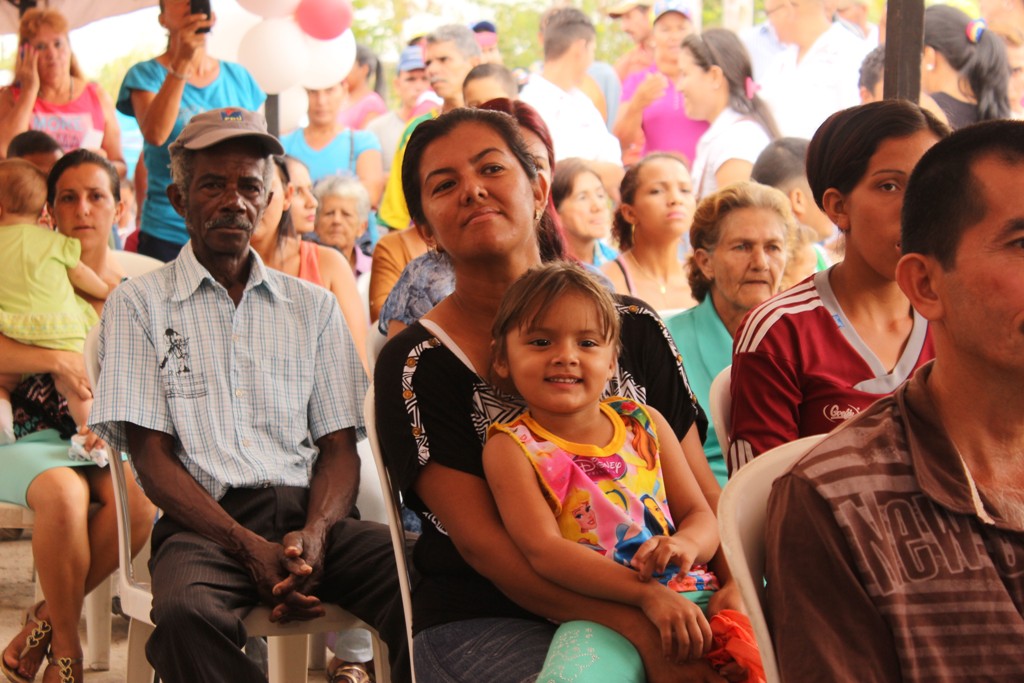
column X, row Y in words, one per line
column 604, row 253
column 234, row 87
column 337, row 157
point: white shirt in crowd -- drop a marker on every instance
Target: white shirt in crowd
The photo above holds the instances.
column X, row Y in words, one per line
column 803, row 94
column 576, row 126
column 731, row 136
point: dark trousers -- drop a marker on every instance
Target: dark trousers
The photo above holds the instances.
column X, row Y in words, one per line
column 157, row 248
column 201, row 593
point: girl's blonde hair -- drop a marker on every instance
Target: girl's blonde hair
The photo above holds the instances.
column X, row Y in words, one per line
column 531, row 296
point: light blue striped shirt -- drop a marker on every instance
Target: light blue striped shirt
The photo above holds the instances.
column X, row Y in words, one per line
column 239, row 388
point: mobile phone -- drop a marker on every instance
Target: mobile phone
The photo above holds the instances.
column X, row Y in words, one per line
column 201, row 7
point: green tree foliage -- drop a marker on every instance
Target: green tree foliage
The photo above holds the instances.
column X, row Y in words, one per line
column 112, row 73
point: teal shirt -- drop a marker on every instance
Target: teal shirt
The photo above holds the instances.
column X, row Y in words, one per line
column 706, row 347
column 233, row 87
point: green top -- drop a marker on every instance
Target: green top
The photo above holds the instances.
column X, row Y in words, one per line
column 706, row 347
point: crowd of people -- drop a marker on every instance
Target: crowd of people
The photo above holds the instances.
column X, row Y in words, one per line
column 541, row 272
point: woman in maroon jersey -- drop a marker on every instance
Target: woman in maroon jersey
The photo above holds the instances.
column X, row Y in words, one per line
column 813, row 356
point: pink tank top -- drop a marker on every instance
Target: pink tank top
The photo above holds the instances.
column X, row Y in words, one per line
column 70, row 123
column 309, row 264
column 354, row 116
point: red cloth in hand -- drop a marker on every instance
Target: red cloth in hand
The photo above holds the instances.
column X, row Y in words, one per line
column 734, row 641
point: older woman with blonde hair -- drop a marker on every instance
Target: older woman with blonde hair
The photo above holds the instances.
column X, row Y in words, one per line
column 51, row 94
column 739, row 238
column 343, row 215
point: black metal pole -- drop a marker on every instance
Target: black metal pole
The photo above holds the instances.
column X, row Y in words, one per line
column 904, row 41
column 272, row 108
column 24, row 5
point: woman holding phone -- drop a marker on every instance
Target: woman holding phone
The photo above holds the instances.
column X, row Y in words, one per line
column 163, row 94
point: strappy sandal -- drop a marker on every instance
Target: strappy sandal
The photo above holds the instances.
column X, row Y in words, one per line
column 37, row 639
column 66, row 667
column 351, row 672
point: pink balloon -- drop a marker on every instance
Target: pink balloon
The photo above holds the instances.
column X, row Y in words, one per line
column 324, row 19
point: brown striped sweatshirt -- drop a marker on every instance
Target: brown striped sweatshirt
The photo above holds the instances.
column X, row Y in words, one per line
column 885, row 564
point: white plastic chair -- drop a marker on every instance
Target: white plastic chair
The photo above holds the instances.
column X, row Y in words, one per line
column 720, row 405
column 391, row 505
column 363, row 287
column 741, row 517
column 136, row 264
column 287, row 644
column 375, row 340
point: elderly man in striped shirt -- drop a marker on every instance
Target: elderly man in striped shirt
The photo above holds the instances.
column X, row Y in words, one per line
column 218, row 373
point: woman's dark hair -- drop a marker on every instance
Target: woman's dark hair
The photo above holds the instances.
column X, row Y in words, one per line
column 977, row 54
column 365, row 56
column 81, row 157
column 32, row 142
column 498, row 72
column 622, row 229
column 842, row 147
column 720, row 47
column 285, row 226
column 564, row 178
column 550, row 236
column 502, row 124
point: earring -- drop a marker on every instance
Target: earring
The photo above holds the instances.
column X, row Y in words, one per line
column 537, row 215
column 929, row 67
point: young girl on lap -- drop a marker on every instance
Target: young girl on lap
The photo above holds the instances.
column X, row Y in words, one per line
column 577, row 478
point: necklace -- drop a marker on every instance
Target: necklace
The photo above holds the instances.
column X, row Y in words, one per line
column 56, row 92
column 661, row 283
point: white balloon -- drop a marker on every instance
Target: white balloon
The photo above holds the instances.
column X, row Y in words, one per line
column 291, row 108
column 276, row 54
column 226, row 36
column 270, row 9
column 329, row 61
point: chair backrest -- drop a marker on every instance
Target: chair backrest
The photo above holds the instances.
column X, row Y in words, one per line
column 720, row 405
column 136, row 264
column 126, row 576
column 363, row 287
column 375, row 340
column 741, row 517
column 371, row 499
column 391, row 503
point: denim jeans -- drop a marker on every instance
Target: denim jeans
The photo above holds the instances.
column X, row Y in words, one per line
column 475, row 650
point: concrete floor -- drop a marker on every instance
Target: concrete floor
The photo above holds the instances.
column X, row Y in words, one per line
column 17, row 589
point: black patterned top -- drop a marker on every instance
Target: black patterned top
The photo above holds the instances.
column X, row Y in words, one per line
column 431, row 406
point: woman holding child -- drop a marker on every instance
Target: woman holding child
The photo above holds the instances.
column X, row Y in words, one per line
column 73, row 550
column 481, row 612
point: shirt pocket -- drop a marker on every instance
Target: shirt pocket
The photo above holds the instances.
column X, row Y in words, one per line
column 185, row 384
